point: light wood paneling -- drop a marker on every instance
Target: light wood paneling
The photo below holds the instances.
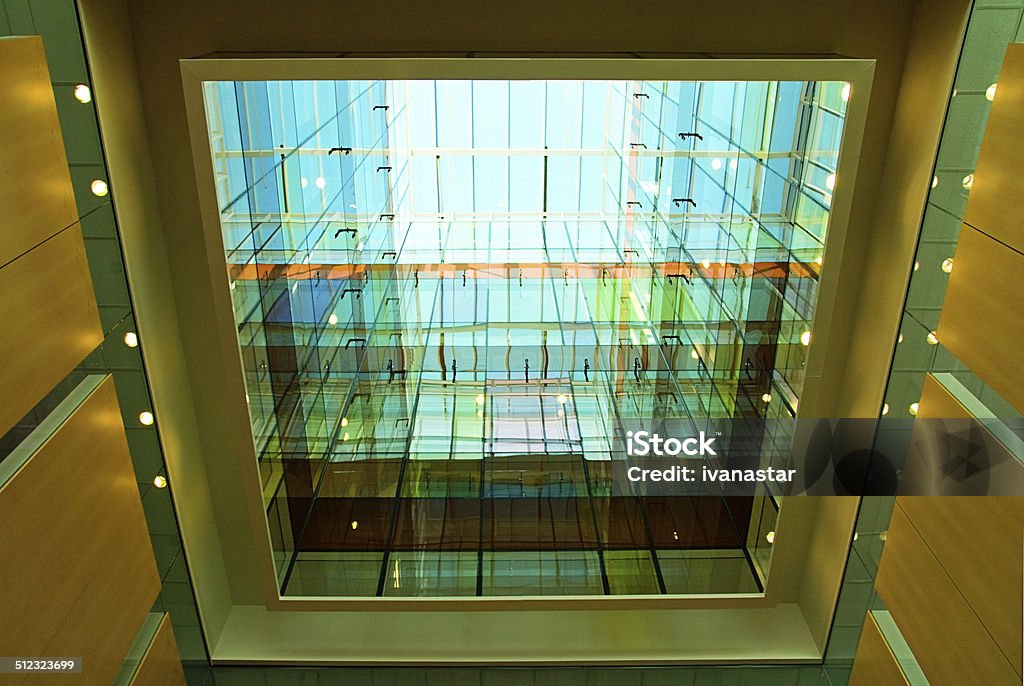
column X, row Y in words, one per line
column 874, row 664
column 979, row 542
column 935, row 465
column 36, row 198
column 50, row 321
column 982, row 319
column 161, row 665
column 938, row 403
column 947, row 638
column 994, row 205
column 77, row 569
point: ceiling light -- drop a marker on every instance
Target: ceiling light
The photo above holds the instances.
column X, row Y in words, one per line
column 99, row 187
column 82, row 93
column 932, row 338
column 990, row 93
column 845, row 93
column 805, row 338
column 716, row 164
column 767, row 397
column 733, row 164
column 146, row 418
column 320, row 182
column 562, row 400
column 770, row 537
column 480, row 399
column 351, row 205
column 333, row 319
column 885, row 409
column 303, row 181
column 159, row 481
column 131, row 339
column 354, row 525
column 830, row 181
column 917, row 265
column 694, row 355
column 344, row 422
column 913, row 408
column 345, row 437
column 947, row 265
column 935, row 181
column 480, row 413
column 231, row 285
column 900, row 339
column 818, row 260
column 968, row 181
column 706, row 263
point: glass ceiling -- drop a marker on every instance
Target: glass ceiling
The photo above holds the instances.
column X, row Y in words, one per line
column 452, row 295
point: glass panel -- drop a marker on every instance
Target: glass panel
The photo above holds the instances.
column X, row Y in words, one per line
column 452, row 295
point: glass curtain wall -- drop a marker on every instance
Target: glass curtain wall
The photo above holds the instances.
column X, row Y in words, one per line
column 452, row 295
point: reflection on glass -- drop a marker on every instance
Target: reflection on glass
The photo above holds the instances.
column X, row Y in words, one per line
column 450, row 295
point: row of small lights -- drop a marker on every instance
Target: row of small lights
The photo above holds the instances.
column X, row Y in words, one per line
column 947, row 264
column 99, row 188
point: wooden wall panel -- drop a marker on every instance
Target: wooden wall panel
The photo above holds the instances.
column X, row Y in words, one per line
column 994, row 205
column 36, row 197
column 161, row 665
column 874, row 664
column 932, row 466
column 949, row 641
column 50, row 321
column 938, row 403
column 982, row 319
column 979, row 542
column 77, row 569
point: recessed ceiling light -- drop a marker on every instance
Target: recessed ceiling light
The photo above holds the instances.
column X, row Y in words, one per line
column 562, row 399
column 767, row 397
column 146, row 418
column 333, row 319
column 990, row 92
column 932, row 338
column 913, row 408
column 935, row 181
column 83, row 94
column 320, row 182
column 830, row 182
column 159, row 481
column 303, row 181
column 770, row 537
column 99, row 188
column 845, row 93
column 344, row 422
column 805, row 338
column 716, row 164
column 131, row 339
column 947, row 265
column 885, row 409
column 968, row 181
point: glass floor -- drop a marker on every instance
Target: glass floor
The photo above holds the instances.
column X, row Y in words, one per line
column 452, row 296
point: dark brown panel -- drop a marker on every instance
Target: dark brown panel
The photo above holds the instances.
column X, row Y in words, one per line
column 36, row 198
column 982, row 319
column 994, row 205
